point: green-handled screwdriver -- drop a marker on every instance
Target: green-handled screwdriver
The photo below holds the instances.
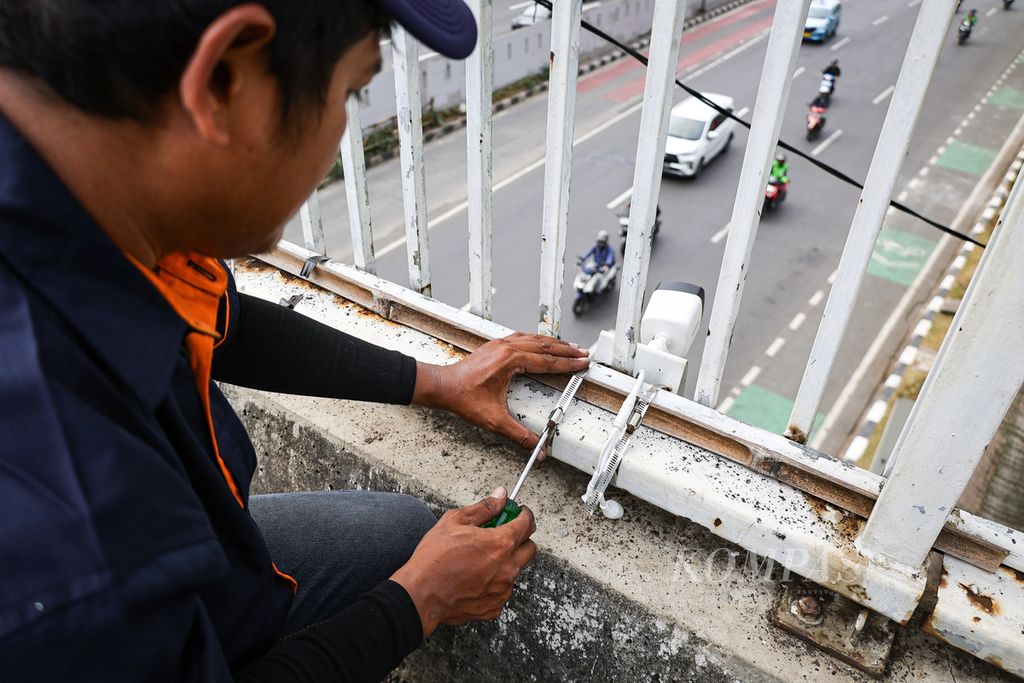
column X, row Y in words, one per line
column 512, row 509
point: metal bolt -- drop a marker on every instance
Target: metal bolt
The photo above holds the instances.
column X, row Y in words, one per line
column 808, row 609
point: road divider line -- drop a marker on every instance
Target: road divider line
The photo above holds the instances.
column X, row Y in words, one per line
column 816, row 298
column 990, row 12
column 614, row 204
column 752, row 374
column 935, row 159
column 832, row 278
column 880, row 97
column 902, row 196
column 775, row 347
column 841, row 43
column 828, row 141
column 743, row 112
column 797, row 321
column 720, row 235
column 799, row 71
column 880, row 20
column 726, row 404
column 923, row 172
column 913, row 3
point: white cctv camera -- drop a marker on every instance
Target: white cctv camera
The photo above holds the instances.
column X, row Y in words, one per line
column 667, row 330
column 672, row 317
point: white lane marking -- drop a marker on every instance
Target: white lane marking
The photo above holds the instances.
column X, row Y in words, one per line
column 832, row 277
column 977, row 107
column 726, row 404
column 775, row 347
column 816, row 298
column 880, row 20
column 913, row 183
column 902, row 196
column 970, row 117
column 751, row 375
column 913, row 3
column 950, row 140
column 882, row 95
column 720, row 235
column 828, row 141
column 923, row 172
column 990, row 12
column 890, row 211
column 613, row 204
column 799, row 71
column 743, row 112
column 958, row 131
column 840, row 44
column 539, row 163
column 877, row 412
column 935, row 159
column 797, row 321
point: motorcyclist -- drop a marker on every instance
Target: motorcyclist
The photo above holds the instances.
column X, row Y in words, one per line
column 602, row 254
column 971, row 19
column 780, row 174
column 832, row 69
column 820, row 100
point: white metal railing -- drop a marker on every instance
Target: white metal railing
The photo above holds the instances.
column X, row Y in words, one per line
column 941, row 443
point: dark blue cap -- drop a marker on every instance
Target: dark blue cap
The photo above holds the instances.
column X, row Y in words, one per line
column 447, row 26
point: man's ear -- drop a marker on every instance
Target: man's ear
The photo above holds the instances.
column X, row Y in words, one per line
column 222, row 61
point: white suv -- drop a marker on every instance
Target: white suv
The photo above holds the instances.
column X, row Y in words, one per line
column 697, row 134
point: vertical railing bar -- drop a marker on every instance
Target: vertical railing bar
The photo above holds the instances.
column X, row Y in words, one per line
column 930, row 32
column 353, row 162
column 564, row 66
column 769, row 108
column 405, row 52
column 659, row 86
column 977, row 373
column 313, row 224
column 479, row 88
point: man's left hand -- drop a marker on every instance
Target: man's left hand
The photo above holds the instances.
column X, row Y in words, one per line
column 476, row 388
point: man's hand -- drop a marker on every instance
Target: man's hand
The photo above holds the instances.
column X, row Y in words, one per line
column 460, row 572
column 476, row 388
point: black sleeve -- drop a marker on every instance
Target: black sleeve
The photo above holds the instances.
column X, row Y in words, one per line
column 273, row 348
column 362, row 643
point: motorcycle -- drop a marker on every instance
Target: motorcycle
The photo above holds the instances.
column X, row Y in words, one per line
column 964, row 33
column 624, row 228
column 1007, row 3
column 591, row 282
column 774, row 194
column 815, row 122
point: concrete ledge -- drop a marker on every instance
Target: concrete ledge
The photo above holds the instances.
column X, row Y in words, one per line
column 650, row 597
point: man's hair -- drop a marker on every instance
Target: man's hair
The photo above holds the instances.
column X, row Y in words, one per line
column 121, row 58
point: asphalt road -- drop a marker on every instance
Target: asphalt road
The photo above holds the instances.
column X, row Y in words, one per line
column 798, row 246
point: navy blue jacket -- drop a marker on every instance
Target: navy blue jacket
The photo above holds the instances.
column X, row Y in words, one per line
column 124, row 555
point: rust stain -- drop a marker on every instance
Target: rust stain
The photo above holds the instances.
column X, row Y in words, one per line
column 1017, row 575
column 551, row 59
column 982, row 602
column 794, row 433
column 976, row 620
column 717, row 522
column 817, row 505
column 942, row 581
column 450, row 350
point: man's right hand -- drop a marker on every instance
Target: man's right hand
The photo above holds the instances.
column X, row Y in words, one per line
column 460, row 572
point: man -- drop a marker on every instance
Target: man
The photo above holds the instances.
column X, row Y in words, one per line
column 139, row 144
column 832, row 69
column 602, row 255
column 780, row 174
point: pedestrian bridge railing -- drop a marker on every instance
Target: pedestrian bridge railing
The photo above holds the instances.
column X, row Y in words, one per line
column 896, row 526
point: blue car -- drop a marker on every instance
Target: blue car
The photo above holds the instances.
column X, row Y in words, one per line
column 822, row 20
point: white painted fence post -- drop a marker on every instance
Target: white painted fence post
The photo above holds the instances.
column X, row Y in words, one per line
column 479, row 89
column 650, row 158
column 313, row 224
column 977, row 374
column 930, row 32
column 353, row 162
column 410, row 134
column 772, row 96
column 564, row 61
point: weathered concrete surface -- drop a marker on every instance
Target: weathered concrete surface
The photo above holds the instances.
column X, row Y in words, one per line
column 650, row 597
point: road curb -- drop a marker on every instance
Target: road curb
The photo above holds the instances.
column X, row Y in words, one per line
column 880, row 406
column 592, row 65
